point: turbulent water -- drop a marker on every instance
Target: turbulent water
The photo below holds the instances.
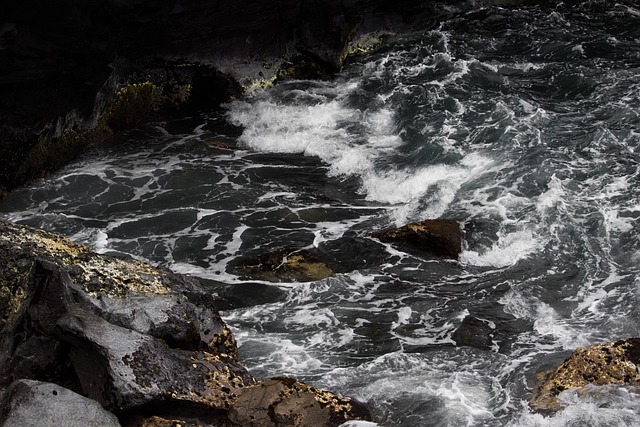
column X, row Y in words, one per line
column 523, row 124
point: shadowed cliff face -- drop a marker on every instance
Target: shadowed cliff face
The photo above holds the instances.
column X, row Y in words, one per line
column 62, row 63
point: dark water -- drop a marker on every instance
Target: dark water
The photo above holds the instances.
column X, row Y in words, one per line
column 524, row 124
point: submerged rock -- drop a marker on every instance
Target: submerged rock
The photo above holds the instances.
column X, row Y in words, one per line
column 285, row 402
column 478, row 333
column 613, row 363
column 284, row 265
column 35, row 403
column 495, row 334
column 431, row 237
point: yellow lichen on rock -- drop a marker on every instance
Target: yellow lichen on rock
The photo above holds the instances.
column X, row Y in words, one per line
column 613, row 363
column 113, row 277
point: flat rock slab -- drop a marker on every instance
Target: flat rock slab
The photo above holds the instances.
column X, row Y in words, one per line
column 431, row 237
column 612, row 363
column 35, row 403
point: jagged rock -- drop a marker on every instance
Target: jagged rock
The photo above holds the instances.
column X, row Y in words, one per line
column 284, row 265
column 123, row 369
column 285, row 402
column 141, row 341
column 122, row 332
column 431, row 237
column 616, row 363
column 35, row 403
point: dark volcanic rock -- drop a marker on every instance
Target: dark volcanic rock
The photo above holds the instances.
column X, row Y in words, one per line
column 285, row 402
column 123, row 369
column 35, row 403
column 431, row 237
column 613, row 363
column 121, row 332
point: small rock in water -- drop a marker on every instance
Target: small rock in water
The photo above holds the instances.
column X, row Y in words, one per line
column 431, row 237
column 613, row 363
column 284, row 265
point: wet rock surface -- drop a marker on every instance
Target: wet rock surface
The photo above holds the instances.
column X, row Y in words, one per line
column 431, row 237
column 140, row 341
column 287, row 402
column 284, row 265
column 613, row 363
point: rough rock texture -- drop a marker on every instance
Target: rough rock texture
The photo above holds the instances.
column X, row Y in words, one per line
column 431, row 237
column 35, row 403
column 121, row 332
column 143, row 342
column 599, row 364
column 281, row 402
column 284, row 265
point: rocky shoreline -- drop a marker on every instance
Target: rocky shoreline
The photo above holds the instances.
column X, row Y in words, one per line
column 140, row 341
column 88, row 339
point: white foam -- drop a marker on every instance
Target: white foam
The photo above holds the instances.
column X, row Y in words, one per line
column 508, row 250
column 404, row 314
column 359, row 424
column 433, row 186
column 548, row 323
column 467, row 399
column 101, row 242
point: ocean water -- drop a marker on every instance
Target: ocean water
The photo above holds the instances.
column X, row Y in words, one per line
column 521, row 123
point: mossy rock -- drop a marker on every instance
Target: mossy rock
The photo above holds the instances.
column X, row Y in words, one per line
column 612, row 363
column 284, row 265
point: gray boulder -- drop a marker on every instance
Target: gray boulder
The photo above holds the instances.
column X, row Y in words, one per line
column 33, row 403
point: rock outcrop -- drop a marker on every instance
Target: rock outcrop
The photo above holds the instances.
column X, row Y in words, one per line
column 431, row 237
column 613, row 363
column 141, row 341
